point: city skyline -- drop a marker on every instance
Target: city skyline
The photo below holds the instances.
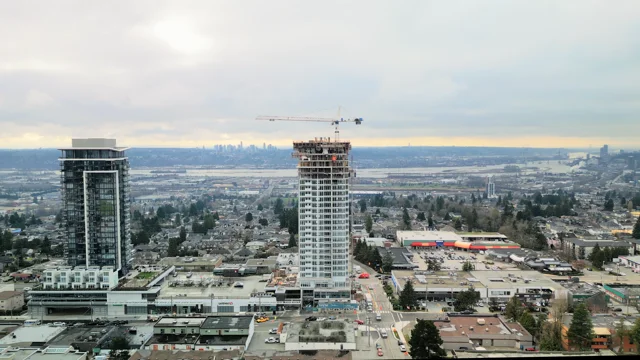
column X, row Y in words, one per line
column 169, row 74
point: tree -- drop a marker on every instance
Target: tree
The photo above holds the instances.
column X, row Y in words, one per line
column 178, row 220
column 408, row 298
column 183, row 234
column 608, row 205
column 466, row 300
column 634, row 333
column 263, row 222
column 421, row 217
column 468, row 266
column 119, row 348
column 636, row 229
column 425, row 341
column 580, row 333
column 368, row 223
column 621, row 332
column 528, row 322
column 278, row 207
column 292, row 240
column 248, row 217
column 514, row 309
column 387, row 263
column 433, row 265
column 551, row 336
column 260, row 208
column 457, row 224
column 363, row 205
column 45, row 247
column 172, row 251
column 406, row 220
column 430, row 221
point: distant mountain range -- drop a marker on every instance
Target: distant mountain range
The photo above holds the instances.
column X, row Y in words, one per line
column 372, row 157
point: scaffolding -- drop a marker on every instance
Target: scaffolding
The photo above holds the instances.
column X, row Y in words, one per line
column 95, row 192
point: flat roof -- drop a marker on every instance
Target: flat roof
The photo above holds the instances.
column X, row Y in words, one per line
column 461, row 326
column 181, row 321
column 535, row 278
column 427, row 236
column 437, row 280
column 227, row 322
column 31, row 334
column 482, row 235
column 251, row 284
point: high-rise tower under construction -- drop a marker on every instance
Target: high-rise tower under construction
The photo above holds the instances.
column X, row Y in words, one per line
column 323, row 220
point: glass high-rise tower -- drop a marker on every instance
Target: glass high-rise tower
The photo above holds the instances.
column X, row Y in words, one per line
column 95, row 200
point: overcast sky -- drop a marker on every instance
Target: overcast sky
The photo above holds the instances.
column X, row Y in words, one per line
column 192, row 73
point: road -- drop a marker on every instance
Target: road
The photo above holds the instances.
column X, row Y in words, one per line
column 265, row 194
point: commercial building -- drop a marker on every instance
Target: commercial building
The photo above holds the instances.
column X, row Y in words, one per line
column 49, row 353
column 491, row 285
column 402, row 258
column 585, row 246
column 202, row 333
column 471, row 332
column 148, row 291
column 95, row 195
column 462, row 241
column 324, row 177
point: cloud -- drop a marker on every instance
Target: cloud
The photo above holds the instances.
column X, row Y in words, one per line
column 159, row 73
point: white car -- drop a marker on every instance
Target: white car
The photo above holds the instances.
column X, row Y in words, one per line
column 59, row 324
column 321, row 319
column 273, row 331
column 403, row 348
column 370, row 287
column 270, row 340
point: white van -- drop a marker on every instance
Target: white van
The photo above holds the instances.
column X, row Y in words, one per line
column 31, row 322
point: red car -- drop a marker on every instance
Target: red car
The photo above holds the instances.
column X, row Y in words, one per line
column 380, row 352
column 364, row 276
column 359, row 322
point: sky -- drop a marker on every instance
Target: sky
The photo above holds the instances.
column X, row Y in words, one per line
column 185, row 73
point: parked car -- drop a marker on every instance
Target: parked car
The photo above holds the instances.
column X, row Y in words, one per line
column 332, row 318
column 400, row 342
column 273, row 331
column 403, row 348
column 359, row 322
column 380, row 353
column 270, row 340
column 311, row 318
column 378, row 346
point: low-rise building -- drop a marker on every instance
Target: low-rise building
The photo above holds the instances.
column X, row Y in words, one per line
column 11, row 300
column 49, row 353
column 578, row 246
column 469, row 332
column 202, row 333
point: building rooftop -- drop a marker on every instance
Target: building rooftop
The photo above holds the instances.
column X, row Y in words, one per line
column 423, row 279
column 227, row 322
column 601, row 243
column 400, row 256
column 49, row 353
column 26, row 335
column 498, row 278
column 428, row 236
column 6, row 295
column 251, row 284
column 94, row 144
column 185, row 355
column 180, row 321
column 468, row 325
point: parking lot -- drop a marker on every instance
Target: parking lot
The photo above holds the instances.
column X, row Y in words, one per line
column 451, row 259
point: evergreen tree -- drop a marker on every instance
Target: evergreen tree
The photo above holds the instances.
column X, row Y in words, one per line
column 260, row 208
column 172, row 251
column 433, row 265
column 183, row 234
column 387, row 263
column 528, row 322
column 368, row 223
column 425, row 341
column 421, row 217
column 430, row 220
column 466, row 300
column 636, row 229
column 634, row 333
column 513, row 310
column 406, row 220
column 45, row 247
column 408, row 298
column 292, row 240
column 580, row 333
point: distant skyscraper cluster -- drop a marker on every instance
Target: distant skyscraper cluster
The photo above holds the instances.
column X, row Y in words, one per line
column 240, row 148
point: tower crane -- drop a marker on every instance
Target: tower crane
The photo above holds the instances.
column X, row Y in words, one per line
column 333, row 121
